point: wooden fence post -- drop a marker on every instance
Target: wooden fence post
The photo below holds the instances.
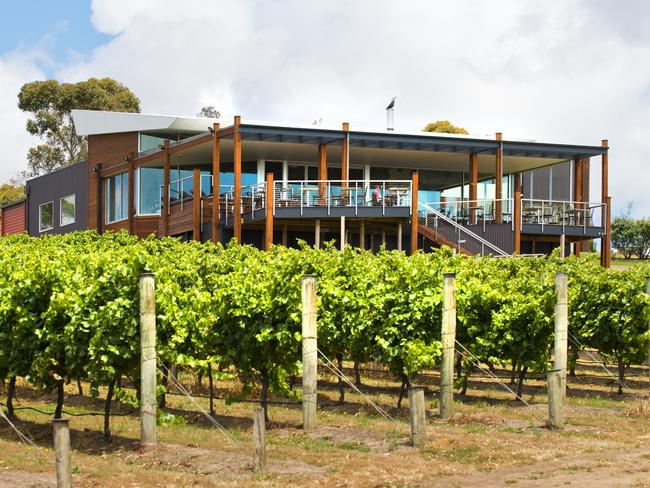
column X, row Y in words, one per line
column 561, row 327
column 562, row 246
column 555, row 399
column 418, row 416
column 448, row 342
column 62, row 452
column 309, row 353
column 647, row 290
column 259, row 440
column 147, row 360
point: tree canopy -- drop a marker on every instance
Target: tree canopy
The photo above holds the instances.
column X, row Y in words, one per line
column 50, row 103
column 209, row 112
column 631, row 237
column 444, row 126
column 10, row 193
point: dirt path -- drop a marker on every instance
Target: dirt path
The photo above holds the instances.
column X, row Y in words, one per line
column 24, row 479
column 607, row 469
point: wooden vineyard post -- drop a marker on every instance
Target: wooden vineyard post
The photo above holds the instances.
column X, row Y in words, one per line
column 259, row 440
column 147, row 360
column 555, row 399
column 561, row 327
column 418, row 416
column 62, row 452
column 647, row 290
column 309, row 353
column 448, row 341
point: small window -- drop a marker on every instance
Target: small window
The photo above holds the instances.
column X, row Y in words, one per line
column 67, row 210
column 117, row 197
column 45, row 216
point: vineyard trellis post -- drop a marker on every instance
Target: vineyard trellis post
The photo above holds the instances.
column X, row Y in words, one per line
column 147, row 360
column 259, row 440
column 62, row 452
column 418, row 416
column 448, row 335
column 647, row 290
column 561, row 327
column 555, row 399
column 309, row 352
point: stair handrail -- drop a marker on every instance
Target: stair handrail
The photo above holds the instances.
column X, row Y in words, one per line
column 461, row 228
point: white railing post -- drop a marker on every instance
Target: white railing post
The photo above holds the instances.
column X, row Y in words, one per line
column 328, row 195
column 383, row 197
column 301, row 196
column 356, row 190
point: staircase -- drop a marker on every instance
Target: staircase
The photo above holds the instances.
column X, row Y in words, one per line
column 437, row 227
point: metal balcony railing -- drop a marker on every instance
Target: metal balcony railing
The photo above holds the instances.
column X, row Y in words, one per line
column 182, row 190
column 562, row 213
column 253, row 199
column 445, row 229
column 381, row 194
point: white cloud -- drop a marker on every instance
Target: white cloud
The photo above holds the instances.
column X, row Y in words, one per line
column 16, row 69
column 559, row 71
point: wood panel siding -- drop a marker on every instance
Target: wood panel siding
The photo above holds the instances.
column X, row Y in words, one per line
column 12, row 219
column 115, row 226
column 106, row 151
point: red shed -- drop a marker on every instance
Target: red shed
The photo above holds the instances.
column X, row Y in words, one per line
column 12, row 218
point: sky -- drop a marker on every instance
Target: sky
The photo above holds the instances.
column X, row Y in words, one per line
column 575, row 71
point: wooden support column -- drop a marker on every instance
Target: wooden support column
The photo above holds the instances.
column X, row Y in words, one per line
column 578, row 185
column 131, row 210
column 608, row 235
column 342, row 238
column 414, row 211
column 216, row 211
column 473, row 185
column 166, row 181
column 498, row 194
column 362, row 235
column 237, row 165
column 322, row 173
column 345, row 154
column 606, row 241
column 196, row 204
column 317, row 234
column 516, row 215
column 399, row 236
column 285, row 234
column 270, row 205
column 383, row 237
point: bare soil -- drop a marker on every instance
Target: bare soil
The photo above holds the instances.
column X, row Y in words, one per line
column 491, row 441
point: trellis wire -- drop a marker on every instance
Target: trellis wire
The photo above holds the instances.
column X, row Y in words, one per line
column 337, row 372
column 588, row 353
column 182, row 389
column 489, row 373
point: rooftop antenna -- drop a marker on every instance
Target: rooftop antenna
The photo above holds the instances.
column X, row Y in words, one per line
column 390, row 114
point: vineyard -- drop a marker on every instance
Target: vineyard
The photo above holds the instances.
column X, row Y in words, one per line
column 69, row 311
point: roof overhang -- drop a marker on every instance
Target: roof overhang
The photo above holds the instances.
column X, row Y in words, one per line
column 92, row 122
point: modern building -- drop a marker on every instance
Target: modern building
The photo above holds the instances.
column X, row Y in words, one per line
column 58, row 202
column 264, row 183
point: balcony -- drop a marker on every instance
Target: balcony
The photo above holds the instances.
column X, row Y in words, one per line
column 322, row 199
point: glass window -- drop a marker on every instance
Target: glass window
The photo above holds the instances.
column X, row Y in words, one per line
column 67, row 210
column 150, row 142
column 45, row 216
column 117, row 197
column 148, row 183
